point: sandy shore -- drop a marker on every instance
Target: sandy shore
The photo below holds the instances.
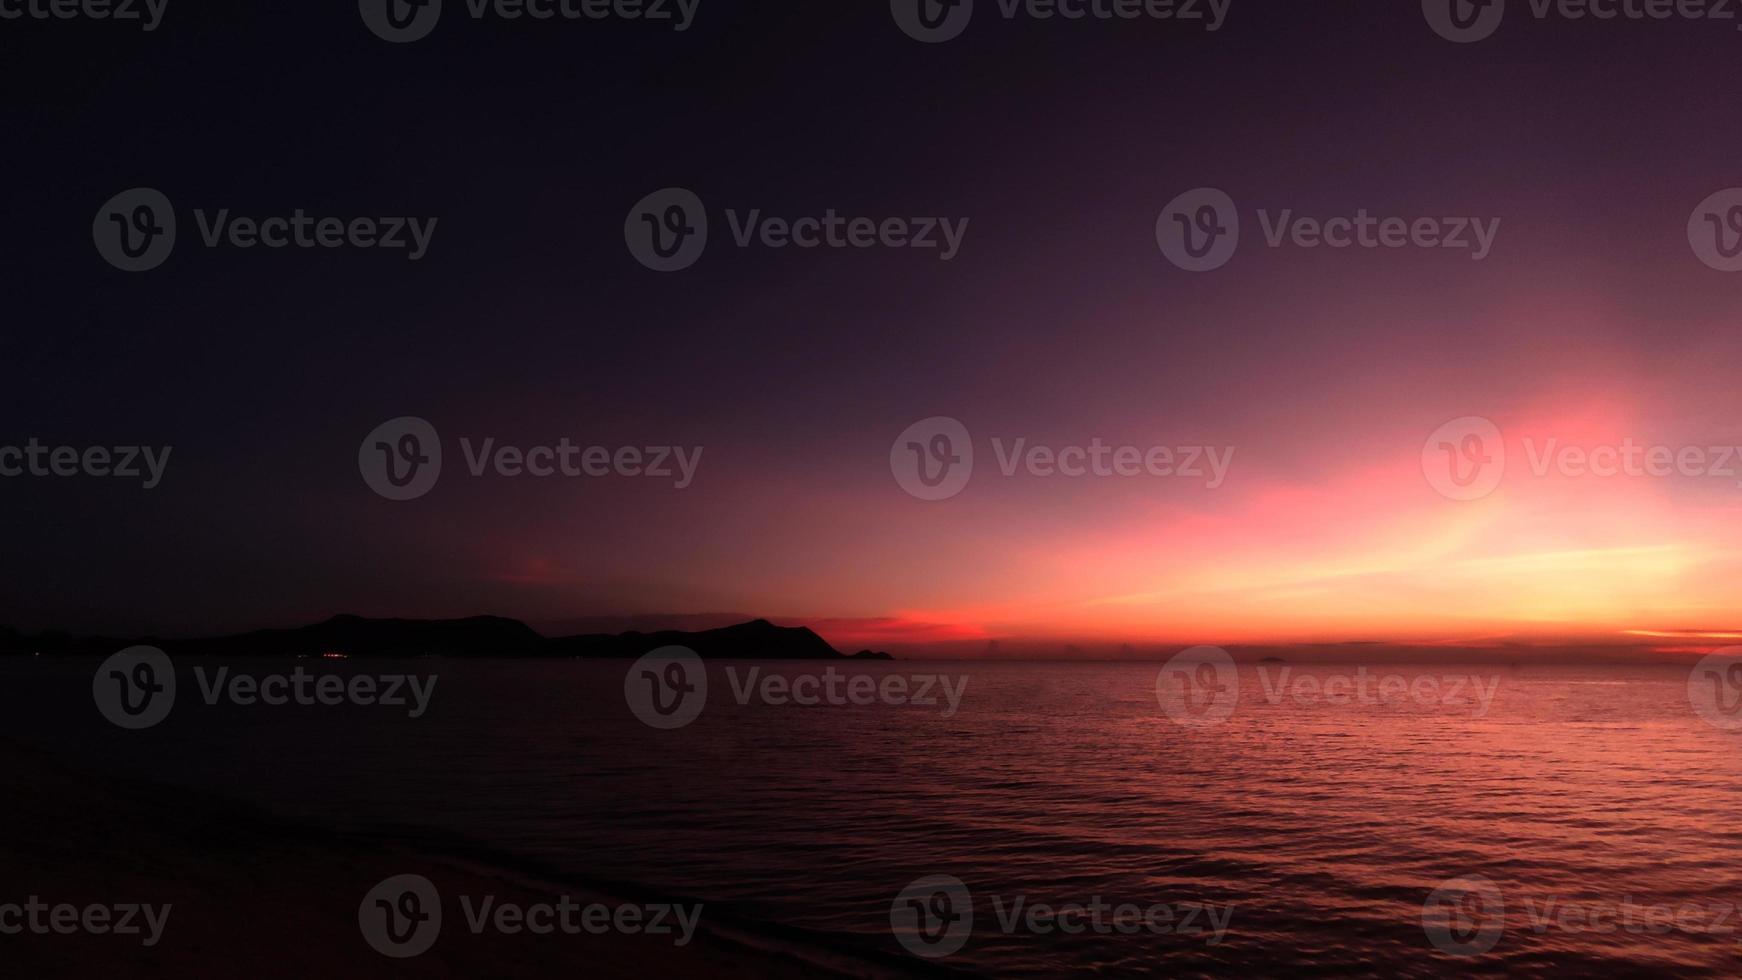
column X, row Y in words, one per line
column 249, row 897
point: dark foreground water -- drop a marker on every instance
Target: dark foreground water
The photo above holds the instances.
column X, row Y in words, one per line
column 1058, row 821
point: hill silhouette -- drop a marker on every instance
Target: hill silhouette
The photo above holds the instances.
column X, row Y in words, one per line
column 477, row 636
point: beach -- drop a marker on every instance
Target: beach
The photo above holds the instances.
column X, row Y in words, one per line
column 237, row 893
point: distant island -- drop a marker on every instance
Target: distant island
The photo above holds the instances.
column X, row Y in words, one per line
column 478, row 636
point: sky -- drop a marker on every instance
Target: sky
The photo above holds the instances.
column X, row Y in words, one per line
column 1322, row 374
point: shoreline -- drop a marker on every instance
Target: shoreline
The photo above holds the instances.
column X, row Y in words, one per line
column 249, row 889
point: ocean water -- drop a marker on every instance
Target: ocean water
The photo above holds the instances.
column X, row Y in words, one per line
column 1480, row 820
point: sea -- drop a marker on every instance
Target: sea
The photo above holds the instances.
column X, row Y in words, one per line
column 1017, row 819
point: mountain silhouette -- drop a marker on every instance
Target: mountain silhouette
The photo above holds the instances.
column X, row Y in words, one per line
column 758, row 639
column 477, row 636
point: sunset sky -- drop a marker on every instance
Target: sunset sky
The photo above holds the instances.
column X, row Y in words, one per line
column 1592, row 322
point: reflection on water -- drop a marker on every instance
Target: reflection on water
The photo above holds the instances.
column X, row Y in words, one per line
column 1595, row 801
